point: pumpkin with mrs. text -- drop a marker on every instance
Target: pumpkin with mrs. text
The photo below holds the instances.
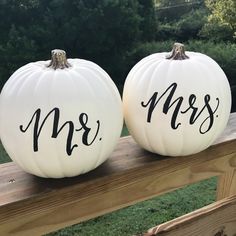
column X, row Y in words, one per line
column 176, row 103
column 60, row 118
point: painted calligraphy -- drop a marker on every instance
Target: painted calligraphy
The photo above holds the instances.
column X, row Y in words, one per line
column 195, row 112
column 55, row 112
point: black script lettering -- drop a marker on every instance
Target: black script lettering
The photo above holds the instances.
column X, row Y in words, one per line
column 153, row 101
column 196, row 112
column 83, row 119
column 55, row 112
column 192, row 99
column 194, row 116
column 211, row 114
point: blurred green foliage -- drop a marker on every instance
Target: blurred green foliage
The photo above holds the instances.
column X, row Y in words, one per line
column 222, row 20
column 115, row 33
column 102, row 31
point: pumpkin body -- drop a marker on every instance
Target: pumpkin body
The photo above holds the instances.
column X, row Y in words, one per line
column 60, row 123
column 176, row 107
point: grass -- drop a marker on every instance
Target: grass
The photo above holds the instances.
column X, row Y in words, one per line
column 142, row 216
column 3, row 155
column 125, row 131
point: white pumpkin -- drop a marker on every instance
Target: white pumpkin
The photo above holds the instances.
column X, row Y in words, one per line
column 176, row 104
column 62, row 119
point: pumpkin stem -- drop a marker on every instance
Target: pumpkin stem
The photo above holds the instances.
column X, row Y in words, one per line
column 58, row 60
column 178, row 52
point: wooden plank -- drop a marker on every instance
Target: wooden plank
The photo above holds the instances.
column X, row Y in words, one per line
column 226, row 184
column 31, row 205
column 217, row 219
column 230, row 131
column 227, row 181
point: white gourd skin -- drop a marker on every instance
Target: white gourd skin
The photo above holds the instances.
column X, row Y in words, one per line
column 199, row 75
column 82, row 88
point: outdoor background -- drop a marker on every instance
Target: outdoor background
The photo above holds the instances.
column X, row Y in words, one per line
column 116, row 34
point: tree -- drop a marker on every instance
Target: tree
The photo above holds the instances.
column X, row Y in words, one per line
column 172, row 10
column 148, row 24
column 180, row 20
column 104, row 31
column 222, row 20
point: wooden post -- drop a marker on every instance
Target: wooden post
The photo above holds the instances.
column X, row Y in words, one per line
column 227, row 181
column 226, row 184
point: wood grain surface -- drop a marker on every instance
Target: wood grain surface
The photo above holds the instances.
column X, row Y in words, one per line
column 226, row 184
column 33, row 206
column 217, row 219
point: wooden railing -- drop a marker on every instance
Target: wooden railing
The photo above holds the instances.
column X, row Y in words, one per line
column 34, row 206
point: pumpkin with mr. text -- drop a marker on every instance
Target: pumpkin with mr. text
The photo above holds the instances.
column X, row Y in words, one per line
column 176, row 103
column 60, row 118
